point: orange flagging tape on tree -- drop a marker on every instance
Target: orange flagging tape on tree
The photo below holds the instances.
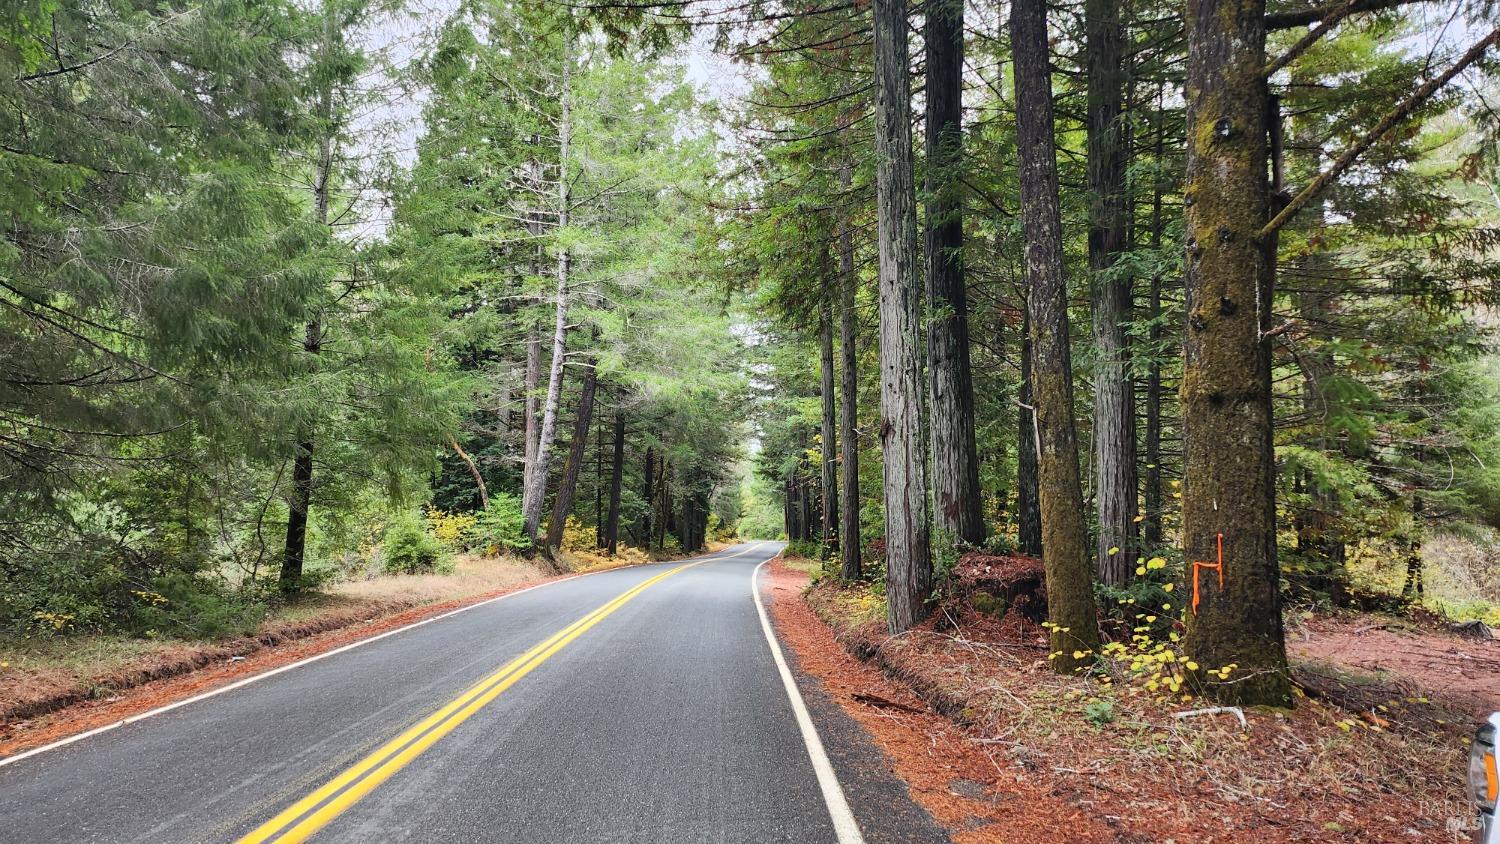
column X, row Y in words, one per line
column 1199, row 564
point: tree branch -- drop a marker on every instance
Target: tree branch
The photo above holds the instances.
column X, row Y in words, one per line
column 1395, row 116
column 1308, row 17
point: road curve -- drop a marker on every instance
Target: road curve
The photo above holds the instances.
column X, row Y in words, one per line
column 634, row 705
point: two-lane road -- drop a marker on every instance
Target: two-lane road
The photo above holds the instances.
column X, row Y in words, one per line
column 639, row 704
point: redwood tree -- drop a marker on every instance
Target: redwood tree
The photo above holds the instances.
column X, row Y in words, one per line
column 955, row 459
column 1065, row 556
column 907, row 531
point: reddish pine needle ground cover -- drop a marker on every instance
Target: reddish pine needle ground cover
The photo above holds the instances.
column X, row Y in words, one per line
column 1024, row 755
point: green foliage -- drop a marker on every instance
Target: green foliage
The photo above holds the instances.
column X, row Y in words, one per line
column 1099, row 711
column 1151, row 602
column 187, row 606
column 501, row 527
column 410, row 548
column 807, row 549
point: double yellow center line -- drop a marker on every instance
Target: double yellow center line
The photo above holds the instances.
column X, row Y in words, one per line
column 313, row 812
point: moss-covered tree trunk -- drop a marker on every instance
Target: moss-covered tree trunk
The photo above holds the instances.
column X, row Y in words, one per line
column 955, row 458
column 1228, row 465
column 1110, row 295
column 1065, row 552
column 849, row 550
column 907, row 530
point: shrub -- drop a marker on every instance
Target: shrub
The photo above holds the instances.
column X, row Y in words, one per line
column 195, row 607
column 62, row 594
column 1154, row 586
column 808, row 549
column 451, row 529
column 501, row 527
column 410, row 548
column 577, row 537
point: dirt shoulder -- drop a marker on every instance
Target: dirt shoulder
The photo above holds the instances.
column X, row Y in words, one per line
column 999, row 748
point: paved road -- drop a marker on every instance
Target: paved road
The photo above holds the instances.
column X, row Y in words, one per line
column 634, row 705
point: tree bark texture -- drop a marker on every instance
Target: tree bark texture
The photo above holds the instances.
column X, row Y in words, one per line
column 562, row 504
column 532, row 404
column 849, row 546
column 1110, row 295
column 535, row 490
column 1152, row 530
column 955, row 458
column 1228, row 465
column 616, row 481
column 1065, row 553
column 907, row 538
column 1028, row 507
column 830, row 429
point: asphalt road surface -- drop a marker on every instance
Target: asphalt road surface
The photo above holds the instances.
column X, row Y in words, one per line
column 635, row 705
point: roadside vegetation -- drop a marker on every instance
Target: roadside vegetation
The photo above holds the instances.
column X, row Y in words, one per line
column 276, row 358
column 1110, row 360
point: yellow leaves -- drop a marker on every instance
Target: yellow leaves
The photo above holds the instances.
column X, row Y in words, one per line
column 450, row 528
column 1139, row 570
column 1191, row 666
column 1113, row 550
column 1078, row 654
column 1139, row 519
column 1156, row 563
column 1167, row 587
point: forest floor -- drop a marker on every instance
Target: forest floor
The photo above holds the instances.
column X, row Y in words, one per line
column 52, row 687
column 998, row 747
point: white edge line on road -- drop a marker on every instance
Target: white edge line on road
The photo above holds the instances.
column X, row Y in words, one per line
column 141, row 716
column 844, row 825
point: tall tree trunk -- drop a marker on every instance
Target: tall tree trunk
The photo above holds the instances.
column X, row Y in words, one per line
column 1110, row 295
column 1152, row 533
column 907, row 529
column 809, row 516
column 535, row 490
column 648, row 495
column 1065, row 554
column 533, row 400
column 1412, row 589
column 829, row 433
column 616, row 480
column 664, row 504
column 955, row 459
column 294, row 552
column 598, row 483
column 849, row 546
column 1228, row 465
column 562, row 505
column 1028, row 504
